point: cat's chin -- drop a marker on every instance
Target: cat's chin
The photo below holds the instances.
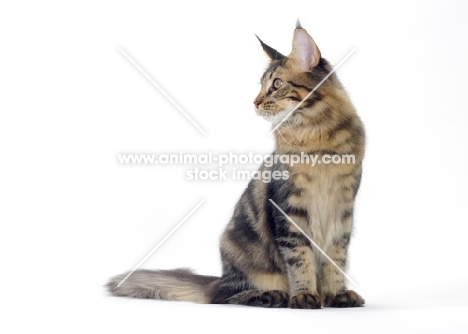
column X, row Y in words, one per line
column 273, row 119
column 270, row 118
column 266, row 117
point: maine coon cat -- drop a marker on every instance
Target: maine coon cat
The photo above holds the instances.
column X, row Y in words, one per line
column 266, row 260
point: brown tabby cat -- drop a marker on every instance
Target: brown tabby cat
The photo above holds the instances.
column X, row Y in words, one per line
column 267, row 261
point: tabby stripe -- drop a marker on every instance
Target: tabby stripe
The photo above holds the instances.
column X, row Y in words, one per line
column 273, row 67
column 252, row 203
column 341, row 177
column 296, row 191
column 346, row 214
column 322, row 152
column 292, row 98
column 309, row 103
column 296, row 261
column 343, row 241
column 243, row 229
column 346, row 238
column 297, row 235
column 343, row 125
column 292, row 243
column 300, row 86
column 292, row 236
column 298, row 213
column 357, row 183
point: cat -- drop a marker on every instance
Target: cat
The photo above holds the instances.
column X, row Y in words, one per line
column 266, row 260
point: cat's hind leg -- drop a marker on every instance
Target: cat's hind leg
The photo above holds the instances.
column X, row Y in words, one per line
column 236, row 289
column 262, row 298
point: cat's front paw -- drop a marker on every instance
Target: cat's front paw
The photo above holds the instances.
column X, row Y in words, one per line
column 305, row 300
column 348, row 298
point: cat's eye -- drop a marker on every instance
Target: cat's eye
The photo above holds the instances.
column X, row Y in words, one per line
column 277, row 83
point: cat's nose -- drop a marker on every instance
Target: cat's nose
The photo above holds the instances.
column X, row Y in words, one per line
column 258, row 102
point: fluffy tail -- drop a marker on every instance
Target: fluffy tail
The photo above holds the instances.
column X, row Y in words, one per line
column 177, row 284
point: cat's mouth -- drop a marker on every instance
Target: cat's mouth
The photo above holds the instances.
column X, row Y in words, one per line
column 268, row 113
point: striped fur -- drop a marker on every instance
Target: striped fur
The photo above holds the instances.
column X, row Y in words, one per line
column 267, row 261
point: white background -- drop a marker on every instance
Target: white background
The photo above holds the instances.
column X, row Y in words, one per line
column 71, row 216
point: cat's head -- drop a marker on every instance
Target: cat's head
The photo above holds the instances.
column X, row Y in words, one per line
column 289, row 79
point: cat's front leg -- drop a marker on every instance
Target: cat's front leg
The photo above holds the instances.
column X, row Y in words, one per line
column 295, row 248
column 301, row 271
column 332, row 280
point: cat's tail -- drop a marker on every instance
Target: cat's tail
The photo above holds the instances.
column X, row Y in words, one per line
column 177, row 284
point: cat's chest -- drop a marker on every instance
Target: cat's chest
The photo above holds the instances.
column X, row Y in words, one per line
column 322, row 196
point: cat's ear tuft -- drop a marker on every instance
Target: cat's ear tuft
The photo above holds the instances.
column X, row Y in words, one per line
column 298, row 24
column 305, row 54
column 272, row 53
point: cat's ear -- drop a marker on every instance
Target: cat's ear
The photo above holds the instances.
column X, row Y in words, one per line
column 305, row 54
column 272, row 53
